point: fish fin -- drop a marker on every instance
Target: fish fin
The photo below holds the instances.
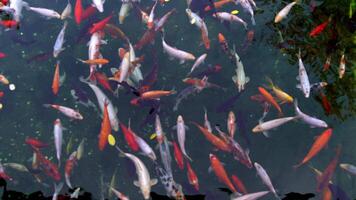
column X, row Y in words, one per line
column 188, row 157
column 122, row 153
column 234, row 78
column 186, row 127
column 153, row 182
column 181, row 62
column 298, row 78
column 247, row 79
column 46, row 105
column 136, row 183
column 210, row 169
column 298, row 86
column 62, row 78
column 266, row 133
column 174, row 127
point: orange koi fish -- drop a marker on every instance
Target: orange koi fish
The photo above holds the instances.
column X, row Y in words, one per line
column 55, row 82
column 325, row 177
column 105, row 128
column 220, row 172
column 318, row 145
column 269, row 98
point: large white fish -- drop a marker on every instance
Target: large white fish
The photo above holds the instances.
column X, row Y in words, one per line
column 58, row 46
column 182, row 56
column 67, row 11
column 268, row 125
column 99, row 4
column 145, row 148
column 69, row 112
column 284, row 12
column 303, row 77
column 124, row 67
column 58, row 138
column 250, row 196
column 101, row 97
column 48, row 13
column 144, row 181
column 17, row 5
column 181, row 127
column 195, row 19
column 225, row 16
column 240, row 79
column 198, row 62
column 265, row 178
column 136, row 75
column 312, row 121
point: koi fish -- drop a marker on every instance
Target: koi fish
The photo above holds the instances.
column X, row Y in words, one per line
column 100, row 25
column 269, row 98
column 325, row 103
column 240, row 79
column 72, row 160
column 58, row 46
column 220, row 172
column 145, row 148
column 280, row 94
column 99, row 4
column 348, row 168
column 342, row 66
column 225, row 16
column 320, row 28
column 268, row 125
column 198, row 62
column 265, row 178
column 218, row 4
column 284, row 12
column 18, row 5
column 4, row 80
column 312, row 121
column 317, row 146
column 216, row 141
column 178, row 156
column 223, row 43
column 231, row 124
column 207, row 124
column 144, row 181
column 176, row 53
column 69, row 112
column 205, row 39
column 192, row 177
column 129, row 137
column 150, row 19
column 239, row 185
column 58, row 138
column 303, row 77
column 34, row 143
column 325, row 177
column 162, row 21
column 88, row 12
column 124, row 10
column 119, row 194
column 55, row 82
column 67, row 11
column 105, row 130
column 103, row 80
column 156, row 94
column 46, row 12
column 49, row 168
column 3, row 174
column 181, row 128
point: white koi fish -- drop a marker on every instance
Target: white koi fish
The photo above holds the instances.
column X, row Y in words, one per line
column 240, row 79
column 225, row 16
column 125, row 67
column 145, row 148
column 176, row 53
column 136, row 74
column 268, row 125
column 303, row 78
column 198, row 62
column 312, row 121
column 101, row 97
column 207, row 124
column 58, row 46
column 69, row 112
column 195, row 19
column 265, row 178
column 284, row 12
column 58, row 138
column 144, row 181
column 48, row 13
column 181, row 127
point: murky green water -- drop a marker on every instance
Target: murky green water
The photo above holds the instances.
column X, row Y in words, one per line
column 24, row 116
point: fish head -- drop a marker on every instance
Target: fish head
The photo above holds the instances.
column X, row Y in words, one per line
column 78, row 116
column 180, row 119
column 146, row 192
column 257, row 129
column 258, row 166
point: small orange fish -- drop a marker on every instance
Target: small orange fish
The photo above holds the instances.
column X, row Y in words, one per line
column 98, row 61
column 220, row 172
column 218, row 4
column 55, row 82
column 269, row 98
column 325, row 177
column 155, row 94
column 105, row 128
column 216, row 141
column 318, row 145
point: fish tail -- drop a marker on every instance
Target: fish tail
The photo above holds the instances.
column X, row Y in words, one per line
column 83, row 61
column 299, row 54
column 68, row 181
column 270, row 82
column 297, row 165
column 253, row 21
column 189, row 158
column 47, row 105
column 122, row 153
column 58, row 188
column 298, row 1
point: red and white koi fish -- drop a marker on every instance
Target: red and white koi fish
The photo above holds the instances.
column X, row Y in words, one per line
column 72, row 160
column 284, row 12
column 69, row 112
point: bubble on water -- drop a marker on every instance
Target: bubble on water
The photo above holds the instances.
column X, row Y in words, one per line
column 12, row 87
